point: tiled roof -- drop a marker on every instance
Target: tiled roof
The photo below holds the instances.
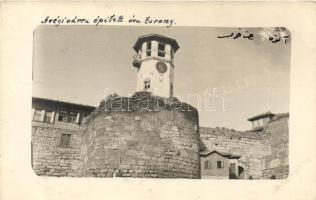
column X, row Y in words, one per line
column 63, row 102
column 262, row 115
column 157, row 37
column 226, row 155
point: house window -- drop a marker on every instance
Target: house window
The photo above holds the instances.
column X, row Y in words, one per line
column 220, row 164
column 49, row 116
column 46, row 116
column 65, row 140
column 73, row 117
column 207, row 164
column 37, row 115
column 68, row 116
column 63, row 116
column 161, row 50
column 148, row 49
column 147, row 84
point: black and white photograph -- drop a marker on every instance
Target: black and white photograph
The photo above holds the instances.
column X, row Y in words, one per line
column 157, row 100
column 161, row 102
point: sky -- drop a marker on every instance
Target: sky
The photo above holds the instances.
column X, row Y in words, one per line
column 241, row 77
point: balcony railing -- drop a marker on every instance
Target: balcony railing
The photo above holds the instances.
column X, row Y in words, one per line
column 137, row 60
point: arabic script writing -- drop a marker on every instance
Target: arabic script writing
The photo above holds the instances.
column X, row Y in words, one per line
column 273, row 35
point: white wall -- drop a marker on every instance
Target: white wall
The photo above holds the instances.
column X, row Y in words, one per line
column 160, row 83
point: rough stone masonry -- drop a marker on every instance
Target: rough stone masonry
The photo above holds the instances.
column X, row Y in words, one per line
column 138, row 138
column 157, row 138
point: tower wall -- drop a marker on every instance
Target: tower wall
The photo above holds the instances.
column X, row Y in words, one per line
column 277, row 136
column 141, row 143
column 160, row 83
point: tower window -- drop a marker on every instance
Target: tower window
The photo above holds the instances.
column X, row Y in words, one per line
column 146, row 84
column 148, row 49
column 65, row 140
column 161, row 50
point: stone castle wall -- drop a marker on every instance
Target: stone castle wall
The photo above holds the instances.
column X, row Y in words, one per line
column 48, row 158
column 251, row 147
column 141, row 143
column 263, row 154
column 162, row 141
column 277, row 136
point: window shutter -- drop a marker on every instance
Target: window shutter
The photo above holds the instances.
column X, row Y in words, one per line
column 52, row 117
column 42, row 115
column 78, row 117
column 206, row 164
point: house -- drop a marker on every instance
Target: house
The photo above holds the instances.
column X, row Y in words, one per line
column 220, row 165
column 55, row 136
column 263, row 150
column 259, row 121
column 58, row 114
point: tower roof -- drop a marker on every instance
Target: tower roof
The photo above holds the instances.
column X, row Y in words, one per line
column 160, row 38
column 260, row 116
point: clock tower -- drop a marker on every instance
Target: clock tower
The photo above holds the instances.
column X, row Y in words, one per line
column 154, row 63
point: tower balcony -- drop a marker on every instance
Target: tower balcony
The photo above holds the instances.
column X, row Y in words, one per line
column 137, row 60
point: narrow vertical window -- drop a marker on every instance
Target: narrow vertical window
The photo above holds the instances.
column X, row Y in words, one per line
column 147, row 84
column 65, row 140
column 220, row 164
column 161, row 50
column 148, row 49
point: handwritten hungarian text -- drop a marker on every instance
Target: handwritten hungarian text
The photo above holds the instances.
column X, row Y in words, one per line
column 110, row 19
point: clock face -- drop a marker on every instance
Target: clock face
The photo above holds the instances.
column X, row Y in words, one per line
column 161, row 67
